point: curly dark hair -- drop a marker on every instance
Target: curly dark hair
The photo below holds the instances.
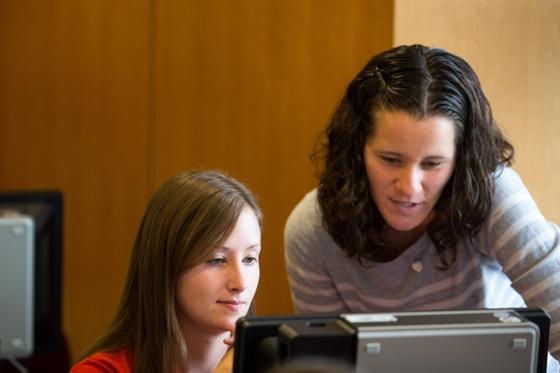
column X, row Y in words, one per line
column 422, row 82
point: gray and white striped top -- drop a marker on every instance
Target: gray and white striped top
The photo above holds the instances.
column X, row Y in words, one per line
column 516, row 263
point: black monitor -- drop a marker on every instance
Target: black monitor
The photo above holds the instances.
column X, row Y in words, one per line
column 34, row 257
column 513, row 340
column 256, row 340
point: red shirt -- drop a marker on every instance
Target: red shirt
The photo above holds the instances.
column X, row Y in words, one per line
column 120, row 361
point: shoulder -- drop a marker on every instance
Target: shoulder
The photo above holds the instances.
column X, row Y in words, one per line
column 305, row 217
column 507, row 181
column 510, row 193
column 105, row 362
column 305, row 237
column 515, row 218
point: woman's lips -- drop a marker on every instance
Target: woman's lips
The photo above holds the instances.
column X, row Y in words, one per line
column 233, row 305
column 405, row 206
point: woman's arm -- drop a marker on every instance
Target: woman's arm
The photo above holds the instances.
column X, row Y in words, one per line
column 528, row 248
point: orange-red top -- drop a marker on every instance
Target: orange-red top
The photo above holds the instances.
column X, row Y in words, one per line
column 120, row 361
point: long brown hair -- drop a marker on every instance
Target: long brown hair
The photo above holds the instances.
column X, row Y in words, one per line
column 422, row 82
column 186, row 219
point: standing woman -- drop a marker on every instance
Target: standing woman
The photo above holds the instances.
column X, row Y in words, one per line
column 417, row 207
column 194, row 271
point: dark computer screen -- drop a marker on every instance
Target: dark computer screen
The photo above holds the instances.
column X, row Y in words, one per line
column 258, row 347
column 46, row 210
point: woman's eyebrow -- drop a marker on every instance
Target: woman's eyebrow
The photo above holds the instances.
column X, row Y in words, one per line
column 253, row 246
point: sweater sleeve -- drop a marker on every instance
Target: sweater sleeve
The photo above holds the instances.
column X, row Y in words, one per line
column 528, row 248
column 305, row 240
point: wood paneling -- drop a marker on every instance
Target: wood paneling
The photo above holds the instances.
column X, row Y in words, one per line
column 515, row 48
column 104, row 100
column 73, row 116
column 247, row 86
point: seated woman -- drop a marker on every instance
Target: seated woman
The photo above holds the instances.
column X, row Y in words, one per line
column 194, row 271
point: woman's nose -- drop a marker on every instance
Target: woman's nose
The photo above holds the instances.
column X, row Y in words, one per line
column 409, row 181
column 236, row 281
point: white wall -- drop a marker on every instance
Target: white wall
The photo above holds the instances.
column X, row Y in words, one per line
column 514, row 46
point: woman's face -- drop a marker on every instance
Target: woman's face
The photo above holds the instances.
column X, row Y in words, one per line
column 408, row 163
column 214, row 294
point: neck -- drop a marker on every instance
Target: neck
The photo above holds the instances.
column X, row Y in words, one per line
column 402, row 240
column 204, row 351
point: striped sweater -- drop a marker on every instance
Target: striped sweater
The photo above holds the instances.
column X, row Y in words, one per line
column 514, row 261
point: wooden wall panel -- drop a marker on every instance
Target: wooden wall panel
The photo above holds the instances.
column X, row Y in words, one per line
column 515, row 48
column 247, row 86
column 104, row 100
column 73, row 116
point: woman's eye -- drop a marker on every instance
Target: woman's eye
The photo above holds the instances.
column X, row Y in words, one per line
column 250, row 260
column 216, row 261
column 431, row 164
column 390, row 160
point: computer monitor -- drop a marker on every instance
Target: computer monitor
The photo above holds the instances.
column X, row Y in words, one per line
column 256, row 340
column 513, row 340
column 30, row 273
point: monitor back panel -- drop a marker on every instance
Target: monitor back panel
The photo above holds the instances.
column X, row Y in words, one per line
column 16, row 286
column 451, row 341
